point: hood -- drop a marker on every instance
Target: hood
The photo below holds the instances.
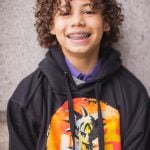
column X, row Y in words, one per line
column 55, row 69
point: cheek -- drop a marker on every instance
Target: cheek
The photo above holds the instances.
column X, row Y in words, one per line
column 59, row 22
column 99, row 25
column 98, row 29
column 60, row 28
column 96, row 24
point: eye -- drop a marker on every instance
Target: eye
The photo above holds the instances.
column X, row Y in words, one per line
column 88, row 12
column 83, row 134
column 64, row 13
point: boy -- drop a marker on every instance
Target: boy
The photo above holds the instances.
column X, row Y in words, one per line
column 80, row 97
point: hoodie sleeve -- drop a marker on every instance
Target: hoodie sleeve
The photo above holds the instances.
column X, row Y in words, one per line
column 136, row 116
column 23, row 117
column 148, row 128
column 22, row 134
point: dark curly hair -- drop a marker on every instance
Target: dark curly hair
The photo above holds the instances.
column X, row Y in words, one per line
column 46, row 9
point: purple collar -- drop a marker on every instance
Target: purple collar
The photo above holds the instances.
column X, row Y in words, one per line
column 80, row 75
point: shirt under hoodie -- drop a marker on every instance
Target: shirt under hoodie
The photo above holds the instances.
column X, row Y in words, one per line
column 77, row 75
column 50, row 111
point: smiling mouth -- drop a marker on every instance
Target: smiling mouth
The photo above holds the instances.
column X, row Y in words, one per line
column 78, row 36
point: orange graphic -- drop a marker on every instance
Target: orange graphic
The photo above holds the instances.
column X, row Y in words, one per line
column 59, row 135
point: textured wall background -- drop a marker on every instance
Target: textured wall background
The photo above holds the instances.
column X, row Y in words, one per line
column 20, row 53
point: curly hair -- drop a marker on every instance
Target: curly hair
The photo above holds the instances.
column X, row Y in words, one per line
column 46, row 9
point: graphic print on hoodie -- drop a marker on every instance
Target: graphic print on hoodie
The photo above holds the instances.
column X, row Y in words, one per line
column 86, row 117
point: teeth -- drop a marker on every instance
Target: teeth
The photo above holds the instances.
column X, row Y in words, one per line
column 78, row 36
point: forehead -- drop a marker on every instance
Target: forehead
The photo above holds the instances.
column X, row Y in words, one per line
column 75, row 2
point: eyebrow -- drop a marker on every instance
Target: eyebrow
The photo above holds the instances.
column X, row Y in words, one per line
column 84, row 5
column 87, row 4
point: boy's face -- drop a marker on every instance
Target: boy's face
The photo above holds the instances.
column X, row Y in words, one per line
column 80, row 30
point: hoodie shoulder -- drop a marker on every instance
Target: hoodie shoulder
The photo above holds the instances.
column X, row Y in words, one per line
column 130, row 77
column 26, row 88
column 131, row 84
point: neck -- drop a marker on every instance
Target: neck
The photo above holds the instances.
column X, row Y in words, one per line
column 84, row 64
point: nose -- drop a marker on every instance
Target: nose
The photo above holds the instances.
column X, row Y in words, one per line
column 77, row 20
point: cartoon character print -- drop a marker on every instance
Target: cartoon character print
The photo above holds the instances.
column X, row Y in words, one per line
column 86, row 117
column 85, row 129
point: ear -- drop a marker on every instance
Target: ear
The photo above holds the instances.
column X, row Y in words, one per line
column 52, row 31
column 106, row 27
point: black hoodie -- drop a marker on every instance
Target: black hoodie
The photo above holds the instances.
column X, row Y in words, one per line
column 49, row 111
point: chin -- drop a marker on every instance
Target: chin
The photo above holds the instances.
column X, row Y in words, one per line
column 79, row 51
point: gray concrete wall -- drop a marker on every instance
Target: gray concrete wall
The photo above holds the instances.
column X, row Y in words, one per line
column 20, row 53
